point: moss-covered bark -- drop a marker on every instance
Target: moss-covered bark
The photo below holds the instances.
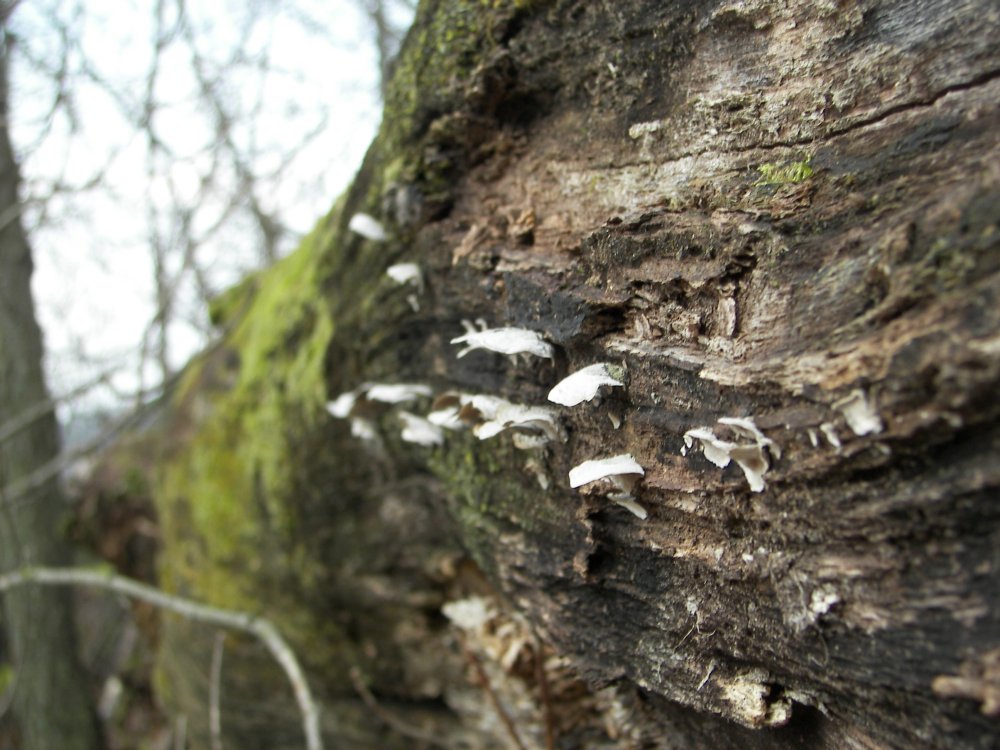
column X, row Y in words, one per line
column 777, row 211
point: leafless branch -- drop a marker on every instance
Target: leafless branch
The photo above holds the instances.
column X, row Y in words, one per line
column 214, row 692
column 259, row 627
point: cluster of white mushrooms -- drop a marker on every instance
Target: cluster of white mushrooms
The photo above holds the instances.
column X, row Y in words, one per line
column 533, row 427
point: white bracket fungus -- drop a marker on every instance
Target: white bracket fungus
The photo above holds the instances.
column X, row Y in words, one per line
column 830, row 433
column 749, row 454
column 408, row 274
column 342, row 406
column 583, row 384
column 350, row 405
column 536, row 424
column 471, row 613
column 364, row 429
column 420, row 431
column 622, row 471
column 396, row 393
column 859, row 414
column 400, row 393
column 507, row 340
column 368, row 227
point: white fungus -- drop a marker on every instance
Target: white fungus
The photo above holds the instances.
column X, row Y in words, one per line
column 447, row 417
column 386, row 393
column 604, row 468
column 583, row 384
column 396, row 393
column 623, row 471
column 471, row 613
column 364, row 429
column 830, row 432
column 368, row 227
column 749, row 454
column 408, row 274
column 859, row 414
column 507, row 340
column 420, row 431
column 535, row 420
column 341, row 406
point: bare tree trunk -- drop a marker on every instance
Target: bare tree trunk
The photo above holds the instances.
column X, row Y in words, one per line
column 51, row 701
column 778, row 224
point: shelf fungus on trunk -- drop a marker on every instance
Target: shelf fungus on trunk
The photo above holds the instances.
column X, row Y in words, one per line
column 622, row 471
column 507, row 340
column 408, row 274
column 584, row 384
column 368, row 227
column 749, row 449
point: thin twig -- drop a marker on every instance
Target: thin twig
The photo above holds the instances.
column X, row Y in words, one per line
column 214, row 692
column 259, row 627
column 484, row 682
column 40, row 409
column 180, row 732
column 393, row 722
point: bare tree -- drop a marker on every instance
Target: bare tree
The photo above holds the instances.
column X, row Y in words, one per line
column 216, row 128
column 39, row 624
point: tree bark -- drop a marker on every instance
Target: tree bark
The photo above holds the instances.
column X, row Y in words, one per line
column 783, row 214
column 51, row 693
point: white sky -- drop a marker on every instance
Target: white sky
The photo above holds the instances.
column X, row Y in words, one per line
column 93, row 279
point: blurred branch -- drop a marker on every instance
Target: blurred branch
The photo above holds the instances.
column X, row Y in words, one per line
column 259, row 627
column 214, row 692
column 36, row 411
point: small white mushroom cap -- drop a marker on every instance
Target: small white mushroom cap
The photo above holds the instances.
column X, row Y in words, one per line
column 604, row 468
column 583, row 384
column 364, row 429
column 368, row 227
column 471, row 613
column 750, row 456
column 341, row 406
column 859, row 414
column 420, row 431
column 396, row 393
column 536, row 419
column 406, row 273
column 446, row 417
column 505, row 340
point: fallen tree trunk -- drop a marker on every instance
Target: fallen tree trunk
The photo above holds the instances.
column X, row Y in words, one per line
column 777, row 222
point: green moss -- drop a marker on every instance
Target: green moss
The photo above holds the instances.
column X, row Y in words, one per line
column 785, row 174
column 226, row 307
column 492, row 492
column 224, row 496
column 249, row 436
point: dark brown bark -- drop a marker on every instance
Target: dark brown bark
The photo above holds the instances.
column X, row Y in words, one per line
column 786, row 212
column 783, row 212
column 51, row 693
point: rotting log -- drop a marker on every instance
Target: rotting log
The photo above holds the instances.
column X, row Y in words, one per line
column 783, row 212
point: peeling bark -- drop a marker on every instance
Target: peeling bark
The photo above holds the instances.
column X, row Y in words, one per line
column 785, row 213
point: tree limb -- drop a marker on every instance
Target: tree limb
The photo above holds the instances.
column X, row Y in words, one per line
column 256, row 626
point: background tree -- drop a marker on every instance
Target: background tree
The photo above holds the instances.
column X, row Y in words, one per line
column 38, row 624
column 198, row 133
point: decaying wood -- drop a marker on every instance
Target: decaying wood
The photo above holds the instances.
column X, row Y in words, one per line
column 781, row 219
column 847, row 308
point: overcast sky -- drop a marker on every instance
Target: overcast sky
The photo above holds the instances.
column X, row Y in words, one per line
column 93, row 279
